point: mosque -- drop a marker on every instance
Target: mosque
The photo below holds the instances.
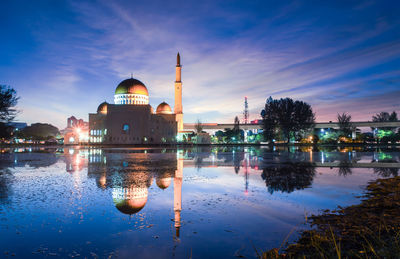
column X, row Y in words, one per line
column 131, row 119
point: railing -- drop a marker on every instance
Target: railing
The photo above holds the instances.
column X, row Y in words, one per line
column 318, row 125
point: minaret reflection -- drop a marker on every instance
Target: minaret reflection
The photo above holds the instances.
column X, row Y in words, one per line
column 178, row 194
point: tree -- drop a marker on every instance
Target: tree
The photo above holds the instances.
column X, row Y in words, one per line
column 287, row 117
column 8, row 100
column 344, row 121
column 40, row 131
column 5, row 131
column 220, row 135
column 385, row 117
column 198, row 127
column 236, row 129
column 289, row 176
column 236, row 124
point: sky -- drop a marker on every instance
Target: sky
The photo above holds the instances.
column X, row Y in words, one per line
column 66, row 57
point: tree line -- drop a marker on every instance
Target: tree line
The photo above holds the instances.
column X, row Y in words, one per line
column 8, row 112
column 288, row 120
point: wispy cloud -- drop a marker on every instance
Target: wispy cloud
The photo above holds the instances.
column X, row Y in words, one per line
column 336, row 57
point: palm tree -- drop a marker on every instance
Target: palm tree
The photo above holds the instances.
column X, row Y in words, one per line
column 344, row 121
column 384, row 117
column 198, row 127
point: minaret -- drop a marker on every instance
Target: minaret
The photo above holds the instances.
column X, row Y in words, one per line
column 178, row 195
column 178, row 110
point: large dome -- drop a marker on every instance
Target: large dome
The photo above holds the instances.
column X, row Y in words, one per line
column 130, row 200
column 164, row 108
column 131, row 91
column 131, row 206
column 131, row 86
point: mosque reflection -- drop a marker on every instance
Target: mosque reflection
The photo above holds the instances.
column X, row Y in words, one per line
column 75, row 159
column 285, row 169
column 129, row 174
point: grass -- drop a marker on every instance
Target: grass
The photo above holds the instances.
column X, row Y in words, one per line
column 370, row 229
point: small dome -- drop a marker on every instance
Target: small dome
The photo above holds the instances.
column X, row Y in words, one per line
column 131, row 86
column 102, row 108
column 163, row 183
column 164, row 108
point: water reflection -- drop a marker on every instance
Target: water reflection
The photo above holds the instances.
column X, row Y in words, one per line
column 386, row 172
column 32, row 157
column 6, row 179
column 344, row 168
column 75, row 159
column 174, row 199
column 288, row 177
column 129, row 175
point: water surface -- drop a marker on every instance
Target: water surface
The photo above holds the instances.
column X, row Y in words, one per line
column 172, row 203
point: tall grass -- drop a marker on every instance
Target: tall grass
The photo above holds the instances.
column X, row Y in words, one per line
column 368, row 230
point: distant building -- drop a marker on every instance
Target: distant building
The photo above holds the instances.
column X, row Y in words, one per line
column 131, row 120
column 76, row 132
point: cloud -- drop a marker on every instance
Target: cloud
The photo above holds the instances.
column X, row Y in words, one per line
column 333, row 57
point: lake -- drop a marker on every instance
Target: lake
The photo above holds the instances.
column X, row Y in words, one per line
column 210, row 202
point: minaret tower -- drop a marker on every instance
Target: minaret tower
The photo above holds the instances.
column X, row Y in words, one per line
column 178, row 110
column 178, row 195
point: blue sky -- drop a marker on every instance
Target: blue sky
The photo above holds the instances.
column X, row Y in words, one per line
column 66, row 57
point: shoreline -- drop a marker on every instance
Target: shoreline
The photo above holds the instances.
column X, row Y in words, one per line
column 369, row 145
column 370, row 228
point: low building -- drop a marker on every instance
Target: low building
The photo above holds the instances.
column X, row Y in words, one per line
column 76, row 132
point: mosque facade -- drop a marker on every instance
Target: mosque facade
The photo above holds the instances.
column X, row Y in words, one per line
column 132, row 120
